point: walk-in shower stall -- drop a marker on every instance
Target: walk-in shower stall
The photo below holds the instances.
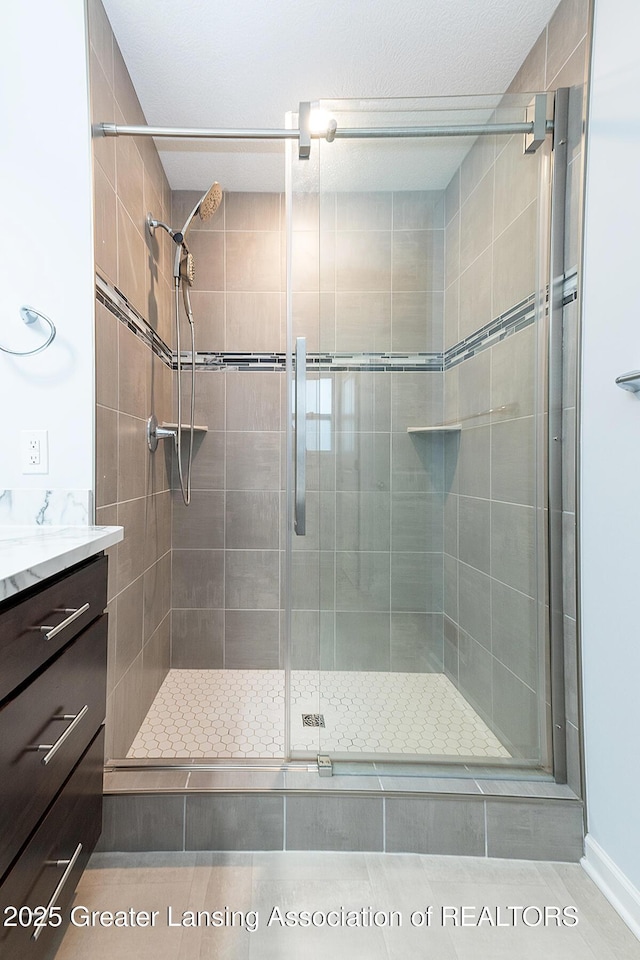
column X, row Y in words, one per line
column 367, row 565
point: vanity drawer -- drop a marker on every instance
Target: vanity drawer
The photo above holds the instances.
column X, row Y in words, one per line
column 73, row 686
column 69, row 832
column 75, row 599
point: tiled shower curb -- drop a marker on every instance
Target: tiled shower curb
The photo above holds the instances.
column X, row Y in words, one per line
column 459, row 818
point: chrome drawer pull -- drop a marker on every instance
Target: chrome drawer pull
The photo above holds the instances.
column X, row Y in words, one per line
column 53, row 748
column 70, row 864
column 74, row 614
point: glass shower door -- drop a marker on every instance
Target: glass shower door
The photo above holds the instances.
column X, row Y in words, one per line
column 417, row 596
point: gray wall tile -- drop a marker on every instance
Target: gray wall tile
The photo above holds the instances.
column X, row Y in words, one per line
column 253, row 261
column 475, row 295
column 513, row 546
column 197, row 639
column 363, row 260
column 471, row 451
column 516, row 183
column 362, row 581
column 106, row 463
column 254, row 321
column 157, row 594
column 474, row 599
column 417, row 522
column 334, row 823
column 364, row 211
column 142, row 823
column 236, row 822
column 513, row 263
column 362, row 520
column 130, row 562
column 252, row 640
column 514, row 632
column 566, row 28
column 312, row 580
column 133, row 455
column 416, row 582
column 156, row 660
column 513, row 375
column 418, row 210
column 477, row 209
column 253, row 401
column 253, row 460
column 201, row 524
column 207, row 470
column 451, row 647
column 416, row 400
column 252, row 520
column 515, row 712
column 418, row 260
column 417, row 462
column 252, row 211
column 363, row 320
column 513, row 455
column 251, row 580
column 129, row 607
column 438, row 826
column 362, row 461
column 210, row 398
column 474, row 525
column 417, row 642
column 198, row 578
column 535, row 831
column 475, row 674
column 362, row 641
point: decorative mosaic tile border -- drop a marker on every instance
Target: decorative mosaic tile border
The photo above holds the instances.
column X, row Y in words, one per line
column 117, row 304
column 511, row 322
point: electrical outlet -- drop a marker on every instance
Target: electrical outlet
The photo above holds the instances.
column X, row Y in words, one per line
column 34, row 451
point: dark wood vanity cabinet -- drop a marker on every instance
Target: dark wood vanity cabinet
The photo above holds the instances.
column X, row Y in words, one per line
column 53, row 662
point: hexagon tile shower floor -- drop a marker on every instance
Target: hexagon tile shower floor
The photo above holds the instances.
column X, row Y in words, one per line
column 240, row 713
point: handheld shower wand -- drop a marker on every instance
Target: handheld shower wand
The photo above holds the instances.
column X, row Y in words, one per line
column 184, row 276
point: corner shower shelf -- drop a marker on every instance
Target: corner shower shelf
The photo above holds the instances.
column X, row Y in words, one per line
column 185, row 426
column 447, row 428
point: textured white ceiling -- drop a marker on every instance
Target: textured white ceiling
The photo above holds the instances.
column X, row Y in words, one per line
column 245, row 63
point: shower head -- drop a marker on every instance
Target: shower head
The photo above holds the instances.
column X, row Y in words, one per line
column 205, row 208
column 210, row 202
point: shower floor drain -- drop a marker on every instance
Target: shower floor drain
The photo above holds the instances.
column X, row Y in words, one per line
column 312, row 720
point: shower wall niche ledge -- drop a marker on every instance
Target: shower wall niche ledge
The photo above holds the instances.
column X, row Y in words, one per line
column 198, row 428
column 442, row 428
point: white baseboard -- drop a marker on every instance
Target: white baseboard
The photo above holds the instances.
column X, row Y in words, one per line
column 619, row 891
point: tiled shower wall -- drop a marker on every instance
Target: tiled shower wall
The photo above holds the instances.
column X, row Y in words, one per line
column 489, row 528
column 132, row 486
column 367, row 578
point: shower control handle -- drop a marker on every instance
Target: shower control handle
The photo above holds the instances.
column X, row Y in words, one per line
column 299, row 520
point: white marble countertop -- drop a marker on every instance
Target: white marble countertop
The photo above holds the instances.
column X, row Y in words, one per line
column 29, row 554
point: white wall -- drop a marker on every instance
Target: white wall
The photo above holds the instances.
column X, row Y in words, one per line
column 46, row 256
column 610, row 500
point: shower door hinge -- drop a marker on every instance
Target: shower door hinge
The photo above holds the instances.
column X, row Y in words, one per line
column 325, row 766
column 536, row 114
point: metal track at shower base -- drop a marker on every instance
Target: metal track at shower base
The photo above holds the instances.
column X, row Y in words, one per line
column 497, row 770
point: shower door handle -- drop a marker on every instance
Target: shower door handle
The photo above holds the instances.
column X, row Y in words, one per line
column 300, row 505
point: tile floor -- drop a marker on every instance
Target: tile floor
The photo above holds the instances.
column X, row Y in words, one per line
column 402, row 883
column 240, row 713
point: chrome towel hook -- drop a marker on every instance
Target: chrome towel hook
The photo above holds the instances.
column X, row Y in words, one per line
column 30, row 315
